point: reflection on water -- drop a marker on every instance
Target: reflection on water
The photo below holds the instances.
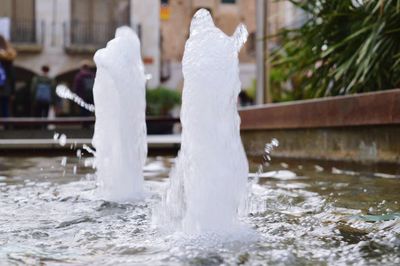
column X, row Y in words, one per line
column 303, row 214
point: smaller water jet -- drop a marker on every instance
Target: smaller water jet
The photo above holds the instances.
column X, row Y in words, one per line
column 62, row 91
column 120, row 129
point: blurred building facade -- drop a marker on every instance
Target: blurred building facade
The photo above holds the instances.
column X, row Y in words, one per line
column 62, row 33
column 175, row 21
column 175, row 16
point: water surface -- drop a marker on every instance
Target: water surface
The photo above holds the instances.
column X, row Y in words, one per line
column 303, row 214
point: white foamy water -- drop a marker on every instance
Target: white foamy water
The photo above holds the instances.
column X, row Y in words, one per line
column 49, row 216
column 209, row 180
column 120, row 129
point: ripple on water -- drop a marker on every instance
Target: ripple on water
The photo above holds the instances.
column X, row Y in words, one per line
column 57, row 220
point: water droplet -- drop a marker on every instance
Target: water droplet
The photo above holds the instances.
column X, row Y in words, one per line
column 79, row 153
column 64, row 161
column 62, row 140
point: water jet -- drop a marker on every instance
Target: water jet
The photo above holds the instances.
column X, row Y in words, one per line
column 120, row 129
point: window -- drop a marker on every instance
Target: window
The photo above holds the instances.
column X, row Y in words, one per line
column 22, row 16
column 206, row 8
column 228, row 1
column 94, row 21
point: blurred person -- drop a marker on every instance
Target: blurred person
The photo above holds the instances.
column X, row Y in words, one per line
column 22, row 100
column 83, row 86
column 245, row 99
column 7, row 76
column 43, row 93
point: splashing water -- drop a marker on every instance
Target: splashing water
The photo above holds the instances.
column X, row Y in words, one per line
column 61, row 139
column 268, row 149
column 252, row 201
column 120, row 129
column 63, row 92
column 306, row 221
column 210, row 176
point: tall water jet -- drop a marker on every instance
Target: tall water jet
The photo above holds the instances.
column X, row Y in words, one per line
column 209, row 180
column 120, row 129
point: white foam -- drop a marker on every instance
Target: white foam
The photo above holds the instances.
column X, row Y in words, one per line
column 280, row 174
column 156, row 166
column 383, row 175
column 120, row 129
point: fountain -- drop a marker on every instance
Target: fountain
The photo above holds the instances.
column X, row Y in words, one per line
column 302, row 213
column 120, row 129
column 208, row 183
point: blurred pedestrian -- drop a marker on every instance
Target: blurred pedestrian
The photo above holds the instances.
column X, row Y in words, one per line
column 244, row 99
column 43, row 93
column 83, row 86
column 7, row 76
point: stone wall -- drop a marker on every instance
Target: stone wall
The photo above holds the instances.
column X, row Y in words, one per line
column 359, row 128
column 364, row 144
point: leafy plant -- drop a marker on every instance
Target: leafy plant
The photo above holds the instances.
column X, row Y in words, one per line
column 161, row 100
column 251, row 91
column 345, row 46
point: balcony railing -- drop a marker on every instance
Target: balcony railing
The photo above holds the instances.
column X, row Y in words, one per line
column 91, row 33
column 26, row 31
column 86, row 37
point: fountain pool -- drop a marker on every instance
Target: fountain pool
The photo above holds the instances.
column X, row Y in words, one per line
column 304, row 214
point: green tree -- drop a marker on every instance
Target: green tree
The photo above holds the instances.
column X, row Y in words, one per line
column 161, row 100
column 345, row 46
